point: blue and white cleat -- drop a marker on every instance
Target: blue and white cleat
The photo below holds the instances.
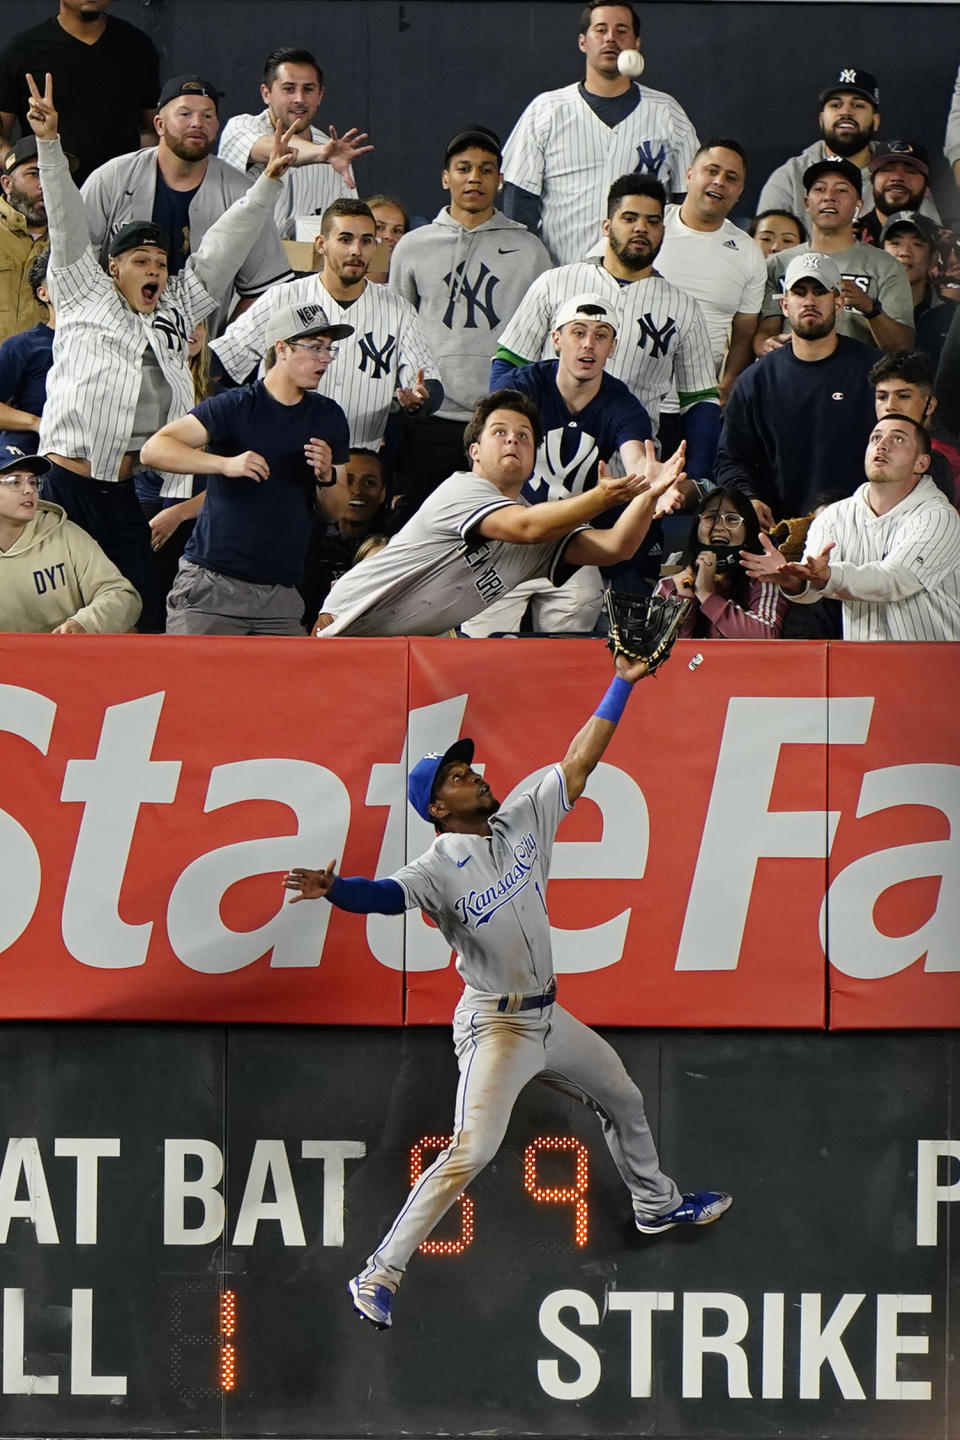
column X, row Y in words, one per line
column 700, row 1208
column 372, row 1301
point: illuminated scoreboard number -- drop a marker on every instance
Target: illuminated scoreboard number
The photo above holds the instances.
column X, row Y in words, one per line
column 191, row 1304
column 573, row 1194
column 205, row 1312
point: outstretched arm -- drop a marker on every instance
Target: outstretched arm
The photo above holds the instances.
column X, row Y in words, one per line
column 660, row 495
column 354, row 893
column 66, row 212
column 587, row 746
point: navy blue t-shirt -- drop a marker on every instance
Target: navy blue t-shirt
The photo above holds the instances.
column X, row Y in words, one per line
column 573, row 445
column 24, row 362
column 171, row 211
column 259, row 531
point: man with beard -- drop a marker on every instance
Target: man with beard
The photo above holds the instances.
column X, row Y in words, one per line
column 849, row 119
column 385, row 363
column 182, row 187
column 899, row 176
column 663, row 346
column 23, row 235
column 795, row 425
column 292, row 90
column 877, row 307
column 569, row 144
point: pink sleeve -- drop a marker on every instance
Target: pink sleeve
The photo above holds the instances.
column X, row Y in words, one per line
column 762, row 620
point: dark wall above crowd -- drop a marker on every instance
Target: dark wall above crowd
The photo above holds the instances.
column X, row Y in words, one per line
column 414, row 73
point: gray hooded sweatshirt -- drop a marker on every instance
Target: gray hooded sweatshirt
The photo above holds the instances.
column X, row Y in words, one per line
column 466, row 284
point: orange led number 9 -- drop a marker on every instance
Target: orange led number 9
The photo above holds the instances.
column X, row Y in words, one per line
column 574, row 1195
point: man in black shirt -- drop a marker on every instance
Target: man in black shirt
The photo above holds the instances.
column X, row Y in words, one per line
column 106, row 80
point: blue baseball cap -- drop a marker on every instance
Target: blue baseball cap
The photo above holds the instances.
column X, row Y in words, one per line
column 13, row 458
column 423, row 776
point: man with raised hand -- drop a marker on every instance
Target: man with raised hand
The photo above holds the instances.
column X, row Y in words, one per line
column 477, row 537
column 483, row 882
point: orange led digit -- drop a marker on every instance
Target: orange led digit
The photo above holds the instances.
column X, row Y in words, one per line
column 228, row 1351
column 574, row 1195
column 442, row 1247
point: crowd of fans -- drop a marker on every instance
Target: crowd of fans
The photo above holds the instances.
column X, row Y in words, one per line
column 236, row 399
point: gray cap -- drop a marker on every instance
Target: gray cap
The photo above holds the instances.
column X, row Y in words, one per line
column 814, row 266
column 299, row 322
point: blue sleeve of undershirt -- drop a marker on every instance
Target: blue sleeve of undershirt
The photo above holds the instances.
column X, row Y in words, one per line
column 367, row 897
column 701, row 430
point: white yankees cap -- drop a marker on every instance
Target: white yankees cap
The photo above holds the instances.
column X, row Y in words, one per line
column 814, row 266
column 586, row 307
column 299, row 322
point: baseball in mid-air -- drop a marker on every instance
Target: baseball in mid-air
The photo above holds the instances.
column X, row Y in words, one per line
column 630, row 62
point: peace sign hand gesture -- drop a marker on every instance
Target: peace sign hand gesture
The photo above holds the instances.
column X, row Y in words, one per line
column 40, row 111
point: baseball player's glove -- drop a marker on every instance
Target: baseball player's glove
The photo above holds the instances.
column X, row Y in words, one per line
column 644, row 627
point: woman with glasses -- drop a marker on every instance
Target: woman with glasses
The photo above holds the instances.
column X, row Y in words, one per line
column 726, row 604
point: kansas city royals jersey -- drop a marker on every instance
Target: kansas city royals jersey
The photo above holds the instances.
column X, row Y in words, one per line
column 662, row 343
column 487, row 895
column 573, row 445
column 562, row 151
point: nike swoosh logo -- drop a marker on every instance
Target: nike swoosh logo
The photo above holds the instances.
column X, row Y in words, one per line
column 506, row 252
column 461, row 863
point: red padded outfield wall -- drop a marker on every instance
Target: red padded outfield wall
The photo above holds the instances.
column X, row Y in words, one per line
column 778, row 805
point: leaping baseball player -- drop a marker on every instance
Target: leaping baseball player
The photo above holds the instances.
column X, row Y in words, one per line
column 483, row 882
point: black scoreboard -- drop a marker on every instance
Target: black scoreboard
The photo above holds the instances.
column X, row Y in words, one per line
column 181, row 1209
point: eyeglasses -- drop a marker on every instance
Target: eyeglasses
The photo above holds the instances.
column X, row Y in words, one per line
column 731, row 519
column 21, row 482
column 325, row 352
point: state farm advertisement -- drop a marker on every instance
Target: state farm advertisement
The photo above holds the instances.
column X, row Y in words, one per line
column 776, row 805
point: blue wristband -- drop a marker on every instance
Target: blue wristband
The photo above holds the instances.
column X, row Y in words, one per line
column 614, row 703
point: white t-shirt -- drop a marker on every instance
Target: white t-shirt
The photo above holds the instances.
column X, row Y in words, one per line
column 723, row 269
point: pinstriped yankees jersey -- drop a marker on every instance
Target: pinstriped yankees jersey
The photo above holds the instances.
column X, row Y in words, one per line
column 309, row 188
column 662, row 343
column 100, row 340
column 560, row 150
column 898, row 575
column 385, row 351
column 488, row 894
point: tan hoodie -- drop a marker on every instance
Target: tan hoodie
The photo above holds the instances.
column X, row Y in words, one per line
column 54, row 572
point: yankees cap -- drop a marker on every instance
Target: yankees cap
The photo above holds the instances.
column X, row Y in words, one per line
column 923, row 225
column 26, row 150
column 480, row 136
column 12, row 458
column 833, row 166
column 137, row 233
column 861, row 82
column 586, row 307
column 813, row 265
column 904, row 150
column 423, row 776
column 188, row 85
column 299, row 322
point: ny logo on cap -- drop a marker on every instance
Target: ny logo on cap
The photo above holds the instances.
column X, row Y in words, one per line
column 848, row 77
